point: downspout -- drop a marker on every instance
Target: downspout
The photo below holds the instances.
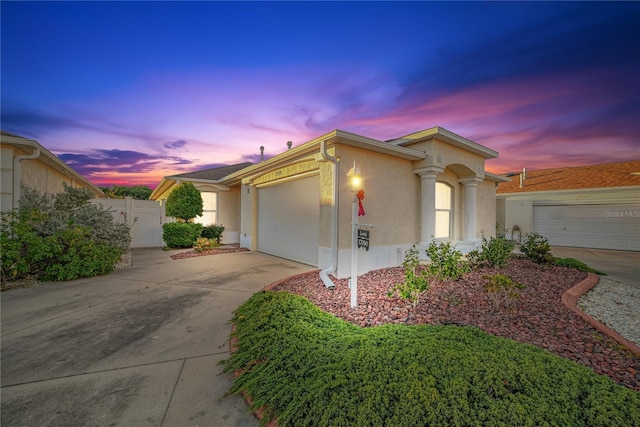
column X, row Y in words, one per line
column 17, row 173
column 324, row 274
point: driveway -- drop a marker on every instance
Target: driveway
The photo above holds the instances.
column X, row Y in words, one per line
column 621, row 266
column 139, row 347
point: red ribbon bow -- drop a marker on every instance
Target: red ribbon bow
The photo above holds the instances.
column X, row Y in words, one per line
column 360, row 196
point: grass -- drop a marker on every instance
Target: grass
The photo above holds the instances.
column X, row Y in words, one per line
column 310, row 368
column 579, row 265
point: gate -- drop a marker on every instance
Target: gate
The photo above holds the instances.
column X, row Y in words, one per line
column 144, row 218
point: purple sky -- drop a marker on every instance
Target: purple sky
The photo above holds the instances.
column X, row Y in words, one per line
column 128, row 92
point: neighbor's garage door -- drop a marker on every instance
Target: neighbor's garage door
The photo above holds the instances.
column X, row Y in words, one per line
column 288, row 219
column 590, row 226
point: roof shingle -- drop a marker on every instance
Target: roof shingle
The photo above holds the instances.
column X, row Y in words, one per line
column 214, row 174
column 572, row 178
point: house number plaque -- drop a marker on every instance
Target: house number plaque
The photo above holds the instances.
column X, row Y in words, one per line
column 363, row 239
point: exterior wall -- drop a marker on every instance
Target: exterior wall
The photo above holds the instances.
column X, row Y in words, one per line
column 486, row 214
column 247, row 217
column 391, row 205
column 6, row 179
column 228, row 213
column 33, row 173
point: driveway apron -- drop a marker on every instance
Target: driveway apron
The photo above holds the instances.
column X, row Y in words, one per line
column 139, row 347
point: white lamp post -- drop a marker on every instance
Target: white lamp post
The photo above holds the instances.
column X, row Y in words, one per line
column 355, row 180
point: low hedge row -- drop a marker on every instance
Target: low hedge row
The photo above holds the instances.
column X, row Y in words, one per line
column 313, row 369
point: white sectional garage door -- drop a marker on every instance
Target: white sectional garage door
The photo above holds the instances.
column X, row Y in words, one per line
column 288, row 219
column 590, row 226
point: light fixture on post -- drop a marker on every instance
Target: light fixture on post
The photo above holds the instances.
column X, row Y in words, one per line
column 355, row 181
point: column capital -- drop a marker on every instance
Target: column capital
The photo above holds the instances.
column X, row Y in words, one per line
column 470, row 181
column 429, row 170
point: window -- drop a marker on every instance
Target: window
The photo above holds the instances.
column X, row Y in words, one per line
column 443, row 211
column 209, row 208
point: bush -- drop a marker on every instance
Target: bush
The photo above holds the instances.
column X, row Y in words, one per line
column 180, row 234
column 502, row 290
column 310, row 368
column 445, row 262
column 416, row 278
column 495, row 252
column 74, row 254
column 535, row 247
column 184, row 202
column 213, row 232
column 60, row 237
column 203, row 244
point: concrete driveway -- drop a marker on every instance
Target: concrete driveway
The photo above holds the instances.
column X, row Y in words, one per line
column 621, row 266
column 139, row 347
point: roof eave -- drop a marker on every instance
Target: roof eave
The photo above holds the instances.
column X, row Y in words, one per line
column 448, row 137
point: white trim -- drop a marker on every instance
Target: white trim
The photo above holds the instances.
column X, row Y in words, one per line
column 288, row 178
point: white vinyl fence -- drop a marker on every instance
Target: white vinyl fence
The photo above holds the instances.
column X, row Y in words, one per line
column 144, row 217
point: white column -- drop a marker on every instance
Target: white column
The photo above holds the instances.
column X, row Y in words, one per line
column 470, row 207
column 428, row 202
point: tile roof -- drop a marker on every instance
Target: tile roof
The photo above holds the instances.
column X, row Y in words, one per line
column 572, row 178
column 214, row 174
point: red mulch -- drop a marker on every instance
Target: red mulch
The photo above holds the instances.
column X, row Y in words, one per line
column 216, row 251
column 538, row 317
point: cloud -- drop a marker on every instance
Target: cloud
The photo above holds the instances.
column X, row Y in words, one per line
column 175, row 144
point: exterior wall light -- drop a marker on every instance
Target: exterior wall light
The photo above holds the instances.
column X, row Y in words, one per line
column 355, row 177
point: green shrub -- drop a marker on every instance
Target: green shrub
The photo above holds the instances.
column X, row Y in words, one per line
column 445, row 262
column 184, row 202
column 60, row 237
column 502, row 290
column 180, row 234
column 578, row 265
column 310, row 368
column 213, row 232
column 72, row 254
column 416, row 278
column 535, row 247
column 203, row 244
column 495, row 252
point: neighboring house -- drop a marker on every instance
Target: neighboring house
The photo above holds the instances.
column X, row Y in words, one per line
column 595, row 206
column 26, row 162
column 220, row 202
column 429, row 185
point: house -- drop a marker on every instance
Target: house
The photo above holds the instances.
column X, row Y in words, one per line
column 429, row 185
column 26, row 162
column 220, row 202
column 596, row 206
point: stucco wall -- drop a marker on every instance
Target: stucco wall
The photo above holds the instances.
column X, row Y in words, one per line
column 391, row 203
column 228, row 213
column 486, row 209
column 33, row 173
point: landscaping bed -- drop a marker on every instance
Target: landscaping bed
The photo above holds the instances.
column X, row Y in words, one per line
column 226, row 249
column 305, row 367
column 537, row 317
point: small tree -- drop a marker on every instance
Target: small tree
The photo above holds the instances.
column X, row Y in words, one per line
column 184, row 202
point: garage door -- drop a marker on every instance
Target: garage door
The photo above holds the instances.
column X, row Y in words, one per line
column 590, row 226
column 288, row 219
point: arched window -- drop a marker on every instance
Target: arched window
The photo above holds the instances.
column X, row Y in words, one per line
column 444, row 216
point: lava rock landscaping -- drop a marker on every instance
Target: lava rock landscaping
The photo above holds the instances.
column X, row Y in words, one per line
column 536, row 317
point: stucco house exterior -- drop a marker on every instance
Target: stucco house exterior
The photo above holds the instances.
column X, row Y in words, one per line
column 220, row 202
column 595, row 206
column 429, row 185
column 26, row 162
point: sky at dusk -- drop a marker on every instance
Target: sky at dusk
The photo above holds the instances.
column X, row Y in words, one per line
column 129, row 92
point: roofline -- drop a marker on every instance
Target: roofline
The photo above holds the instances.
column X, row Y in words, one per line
column 333, row 137
column 496, row 177
column 53, row 160
column 447, row 136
